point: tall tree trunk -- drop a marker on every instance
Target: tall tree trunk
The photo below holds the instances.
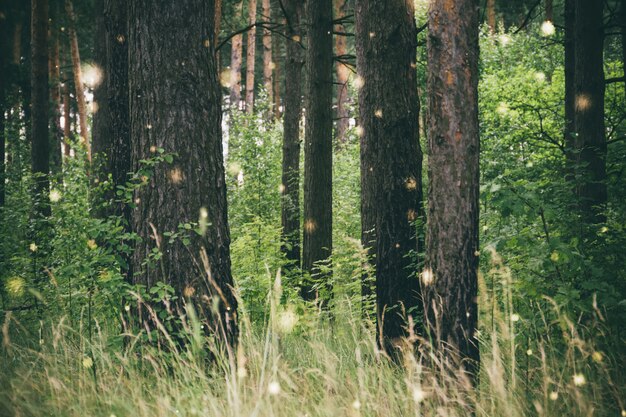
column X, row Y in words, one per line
column 277, row 47
column 3, row 108
column 491, row 16
column 17, row 43
column 267, row 53
column 78, row 77
column 218, row 26
column 111, row 137
column 250, row 56
column 569, row 69
column 590, row 137
column 290, row 201
column 40, row 94
column 67, row 120
column 342, row 72
column 175, row 105
column 449, row 281
column 623, row 32
column 236, row 59
column 318, row 149
column 391, row 159
column 5, row 69
column 569, row 64
column 54, row 67
column 290, row 197
column 24, row 59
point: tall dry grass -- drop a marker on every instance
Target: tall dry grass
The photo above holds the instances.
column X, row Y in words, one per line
column 303, row 367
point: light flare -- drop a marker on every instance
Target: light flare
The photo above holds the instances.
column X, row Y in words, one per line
column 547, row 28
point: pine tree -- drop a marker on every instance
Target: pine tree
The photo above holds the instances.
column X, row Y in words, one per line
column 40, row 95
column 318, row 145
column 391, row 159
column 290, row 189
column 449, row 280
column 589, row 139
column 175, row 106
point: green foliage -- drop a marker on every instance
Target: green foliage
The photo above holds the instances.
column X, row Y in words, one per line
column 331, row 371
column 552, row 299
column 527, row 214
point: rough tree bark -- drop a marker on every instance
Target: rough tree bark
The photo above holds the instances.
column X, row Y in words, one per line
column 78, row 77
column 318, row 158
column 111, row 137
column 236, row 59
column 40, row 95
column 590, row 140
column 449, row 280
column 267, row 52
column 290, row 196
column 251, row 56
column 175, row 105
column 391, row 159
column 342, row 72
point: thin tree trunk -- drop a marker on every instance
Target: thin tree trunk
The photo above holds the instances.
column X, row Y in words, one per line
column 218, row 23
column 342, row 72
column 24, row 59
column 623, row 23
column 67, row 128
column 216, row 33
column 2, row 128
column 569, row 71
column 449, row 281
column 491, row 16
column 391, row 159
column 236, row 59
column 589, row 107
column 290, row 198
column 250, row 57
column 317, row 242
column 40, row 94
column 268, row 63
column 5, row 82
column 54, row 67
column 17, row 43
column 78, row 77
column 277, row 47
column 177, row 108
column 549, row 10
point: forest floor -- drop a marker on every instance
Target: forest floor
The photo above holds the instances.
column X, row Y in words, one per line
column 292, row 368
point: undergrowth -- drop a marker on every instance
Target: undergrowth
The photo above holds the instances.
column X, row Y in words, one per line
column 296, row 366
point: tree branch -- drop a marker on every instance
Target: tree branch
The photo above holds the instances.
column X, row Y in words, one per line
column 528, row 17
